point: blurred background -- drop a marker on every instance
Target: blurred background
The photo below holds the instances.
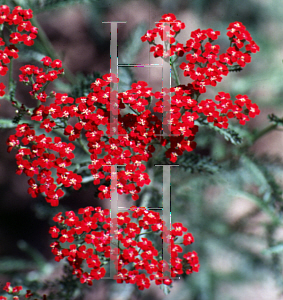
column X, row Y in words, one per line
column 230, row 199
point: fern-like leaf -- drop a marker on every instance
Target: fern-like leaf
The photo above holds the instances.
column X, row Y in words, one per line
column 235, row 68
column 273, row 118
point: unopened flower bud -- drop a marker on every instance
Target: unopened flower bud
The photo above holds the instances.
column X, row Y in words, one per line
column 52, row 94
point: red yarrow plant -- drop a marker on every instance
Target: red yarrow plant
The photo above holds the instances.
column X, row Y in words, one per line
column 48, row 158
column 138, row 132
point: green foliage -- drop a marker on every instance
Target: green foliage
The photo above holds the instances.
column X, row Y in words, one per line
column 229, row 134
column 194, row 163
column 82, row 87
column 275, row 249
column 273, row 118
column 7, row 123
column 271, row 191
column 235, row 68
column 206, row 213
column 67, row 287
column 12, row 265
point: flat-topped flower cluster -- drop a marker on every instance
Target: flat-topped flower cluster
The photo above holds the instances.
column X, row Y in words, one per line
column 88, row 243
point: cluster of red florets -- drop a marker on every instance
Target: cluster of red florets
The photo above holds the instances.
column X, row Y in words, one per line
column 204, row 66
column 38, row 78
column 38, row 160
column 138, row 260
column 137, row 132
column 17, row 21
column 39, row 154
column 167, row 28
column 15, row 291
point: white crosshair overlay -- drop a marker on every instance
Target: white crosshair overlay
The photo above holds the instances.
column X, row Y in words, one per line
column 166, row 84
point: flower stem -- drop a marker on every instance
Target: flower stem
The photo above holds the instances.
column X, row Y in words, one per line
column 10, row 79
column 83, row 146
column 175, row 73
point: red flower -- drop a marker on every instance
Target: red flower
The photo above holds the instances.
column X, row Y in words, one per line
column 213, row 35
column 111, row 77
column 188, row 239
column 33, row 189
column 178, row 25
column 54, row 232
column 53, row 197
column 28, row 294
column 86, row 278
column 67, row 236
column 252, row 47
column 149, row 36
column 179, row 228
column 158, row 50
column 93, row 261
column 15, row 38
column 47, row 124
column 28, row 39
column 67, row 150
column 132, row 229
column 150, row 253
column 56, row 64
column 46, row 61
column 98, row 273
column 2, row 87
column 253, row 110
column 3, row 69
column 52, row 75
column 8, row 287
column 142, row 282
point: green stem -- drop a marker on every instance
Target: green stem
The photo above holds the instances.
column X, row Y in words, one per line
column 83, row 146
column 149, row 103
column 147, row 232
column 137, row 113
column 10, row 78
column 45, row 86
column 1, row 31
column 175, row 74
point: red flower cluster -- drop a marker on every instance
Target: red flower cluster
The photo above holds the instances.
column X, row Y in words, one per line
column 12, row 290
column 39, row 78
column 17, row 22
column 204, row 66
column 15, row 291
column 137, row 256
column 42, row 162
column 167, row 28
column 37, row 155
